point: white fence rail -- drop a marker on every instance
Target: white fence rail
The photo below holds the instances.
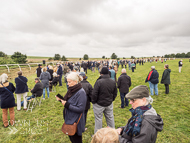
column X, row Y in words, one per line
column 28, row 64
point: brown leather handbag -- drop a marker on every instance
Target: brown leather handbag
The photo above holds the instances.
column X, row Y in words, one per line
column 70, row 129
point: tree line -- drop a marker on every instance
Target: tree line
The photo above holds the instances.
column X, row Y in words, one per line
column 20, row 58
column 178, row 55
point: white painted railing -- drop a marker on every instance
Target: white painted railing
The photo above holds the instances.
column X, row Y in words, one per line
column 28, row 64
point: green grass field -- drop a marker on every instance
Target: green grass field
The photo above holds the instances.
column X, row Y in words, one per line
column 44, row 123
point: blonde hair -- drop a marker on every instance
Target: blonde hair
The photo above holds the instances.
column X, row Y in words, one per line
column 50, row 67
column 74, row 77
column 54, row 74
column 44, row 69
column 106, row 135
column 3, row 78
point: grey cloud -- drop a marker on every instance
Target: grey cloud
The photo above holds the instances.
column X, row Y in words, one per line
column 95, row 27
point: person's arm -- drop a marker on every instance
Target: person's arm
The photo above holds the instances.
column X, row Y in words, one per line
column 164, row 75
column 118, row 82
column 95, row 93
column 13, row 88
column 80, row 107
column 115, row 92
column 34, row 89
column 129, row 82
column 90, row 92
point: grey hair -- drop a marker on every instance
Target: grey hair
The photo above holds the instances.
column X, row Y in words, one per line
column 152, row 67
column 123, row 70
column 149, row 100
column 74, row 77
column 3, row 78
column 54, row 74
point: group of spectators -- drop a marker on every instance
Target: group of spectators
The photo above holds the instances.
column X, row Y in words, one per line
column 141, row 127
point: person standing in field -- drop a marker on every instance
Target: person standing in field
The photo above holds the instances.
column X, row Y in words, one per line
column 124, row 82
column 21, row 89
column 152, row 79
column 45, row 77
column 145, row 123
column 180, row 65
column 7, row 100
column 59, row 73
column 112, row 73
column 74, row 103
column 39, row 70
column 129, row 65
column 88, row 89
column 104, row 93
column 166, row 78
column 133, row 66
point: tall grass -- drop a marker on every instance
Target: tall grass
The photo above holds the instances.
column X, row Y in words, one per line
column 44, row 123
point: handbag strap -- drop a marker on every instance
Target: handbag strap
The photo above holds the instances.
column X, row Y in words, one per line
column 79, row 118
column 22, row 80
column 7, row 89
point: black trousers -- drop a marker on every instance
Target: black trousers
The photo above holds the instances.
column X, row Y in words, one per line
column 85, row 70
column 75, row 138
column 166, row 88
column 85, row 115
column 133, row 69
column 60, row 80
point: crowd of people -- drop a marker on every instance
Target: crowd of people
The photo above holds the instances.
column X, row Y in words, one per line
column 141, row 127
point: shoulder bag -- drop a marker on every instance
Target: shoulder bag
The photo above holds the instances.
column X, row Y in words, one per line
column 70, row 129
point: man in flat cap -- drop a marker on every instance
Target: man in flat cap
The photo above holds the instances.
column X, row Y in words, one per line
column 104, row 93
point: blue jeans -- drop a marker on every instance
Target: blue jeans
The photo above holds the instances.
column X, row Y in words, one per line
column 60, row 81
column 123, row 100
column 153, row 88
column 45, row 92
column 22, row 102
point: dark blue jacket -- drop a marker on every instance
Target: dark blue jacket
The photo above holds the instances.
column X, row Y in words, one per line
column 73, row 109
column 60, row 70
column 7, row 99
column 154, row 77
column 21, row 84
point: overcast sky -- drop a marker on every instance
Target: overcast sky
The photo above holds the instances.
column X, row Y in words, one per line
column 95, row 27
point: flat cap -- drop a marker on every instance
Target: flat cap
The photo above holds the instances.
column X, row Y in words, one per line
column 138, row 92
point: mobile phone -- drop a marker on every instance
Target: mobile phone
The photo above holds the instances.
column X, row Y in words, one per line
column 61, row 97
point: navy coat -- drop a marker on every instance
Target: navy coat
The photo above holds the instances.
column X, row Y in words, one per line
column 21, row 86
column 60, row 70
column 73, row 109
column 7, row 99
column 154, row 77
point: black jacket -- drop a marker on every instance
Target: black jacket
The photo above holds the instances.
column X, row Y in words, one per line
column 88, row 89
column 55, row 80
column 124, row 82
column 51, row 74
column 105, row 91
column 39, row 71
column 38, row 89
column 7, row 97
column 153, row 77
column 21, row 84
column 166, row 76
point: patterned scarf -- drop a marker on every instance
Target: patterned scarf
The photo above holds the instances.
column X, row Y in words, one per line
column 72, row 90
column 134, row 126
